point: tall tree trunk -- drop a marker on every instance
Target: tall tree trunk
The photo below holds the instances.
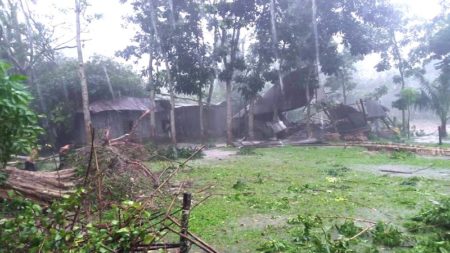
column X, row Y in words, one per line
column 275, row 115
column 216, row 67
column 108, row 82
column 201, row 117
column 152, row 95
column 173, row 130
column 444, row 126
column 234, row 49
column 402, row 75
column 344, row 90
column 211, row 88
column 317, row 65
column 308, row 105
column 229, row 114
column 308, row 111
column 82, row 75
column 251, row 120
column 169, row 75
column 409, row 118
column 280, row 85
column 65, row 90
column 171, row 83
column 203, row 126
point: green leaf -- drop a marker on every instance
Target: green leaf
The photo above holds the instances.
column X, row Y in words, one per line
column 148, row 239
column 124, row 230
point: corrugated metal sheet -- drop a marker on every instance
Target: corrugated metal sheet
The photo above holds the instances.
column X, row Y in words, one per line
column 347, row 119
column 294, row 96
column 374, row 110
column 123, row 104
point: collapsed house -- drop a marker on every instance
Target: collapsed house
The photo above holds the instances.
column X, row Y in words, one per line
column 119, row 116
column 359, row 119
column 292, row 96
column 349, row 122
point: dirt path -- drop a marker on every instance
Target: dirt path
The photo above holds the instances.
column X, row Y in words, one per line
column 406, row 171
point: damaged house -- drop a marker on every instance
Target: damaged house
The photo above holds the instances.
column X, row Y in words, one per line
column 359, row 119
column 119, row 116
column 348, row 121
column 293, row 96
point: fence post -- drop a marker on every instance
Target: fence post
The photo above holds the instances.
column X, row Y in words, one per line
column 184, row 243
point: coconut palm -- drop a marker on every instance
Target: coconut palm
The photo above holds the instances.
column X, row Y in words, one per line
column 435, row 96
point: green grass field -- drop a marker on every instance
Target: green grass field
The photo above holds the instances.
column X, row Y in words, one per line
column 254, row 196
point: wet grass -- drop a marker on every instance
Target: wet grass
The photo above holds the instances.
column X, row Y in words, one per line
column 253, row 195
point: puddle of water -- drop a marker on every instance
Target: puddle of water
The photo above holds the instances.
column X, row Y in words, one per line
column 405, row 171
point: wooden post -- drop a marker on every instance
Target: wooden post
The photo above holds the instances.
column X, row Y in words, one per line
column 440, row 135
column 184, row 243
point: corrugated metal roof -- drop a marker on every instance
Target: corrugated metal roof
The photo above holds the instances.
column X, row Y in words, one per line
column 374, row 110
column 138, row 104
column 123, row 104
column 294, row 96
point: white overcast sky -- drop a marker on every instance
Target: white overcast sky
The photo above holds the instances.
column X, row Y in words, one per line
column 108, row 34
column 103, row 36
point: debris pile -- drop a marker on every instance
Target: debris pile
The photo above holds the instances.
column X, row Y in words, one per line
column 101, row 187
column 351, row 123
column 108, row 164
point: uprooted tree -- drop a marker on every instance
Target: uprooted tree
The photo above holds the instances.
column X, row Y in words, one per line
column 100, row 201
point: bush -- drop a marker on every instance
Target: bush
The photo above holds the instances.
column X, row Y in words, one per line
column 387, row 235
column 35, row 229
column 348, row 229
column 436, row 214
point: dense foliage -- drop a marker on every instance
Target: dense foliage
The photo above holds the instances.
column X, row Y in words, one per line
column 18, row 125
column 28, row 227
column 313, row 234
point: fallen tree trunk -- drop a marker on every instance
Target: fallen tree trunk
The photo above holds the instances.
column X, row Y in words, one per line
column 40, row 186
column 113, row 172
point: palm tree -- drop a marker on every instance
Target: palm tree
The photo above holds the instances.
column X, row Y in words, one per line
column 435, row 96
